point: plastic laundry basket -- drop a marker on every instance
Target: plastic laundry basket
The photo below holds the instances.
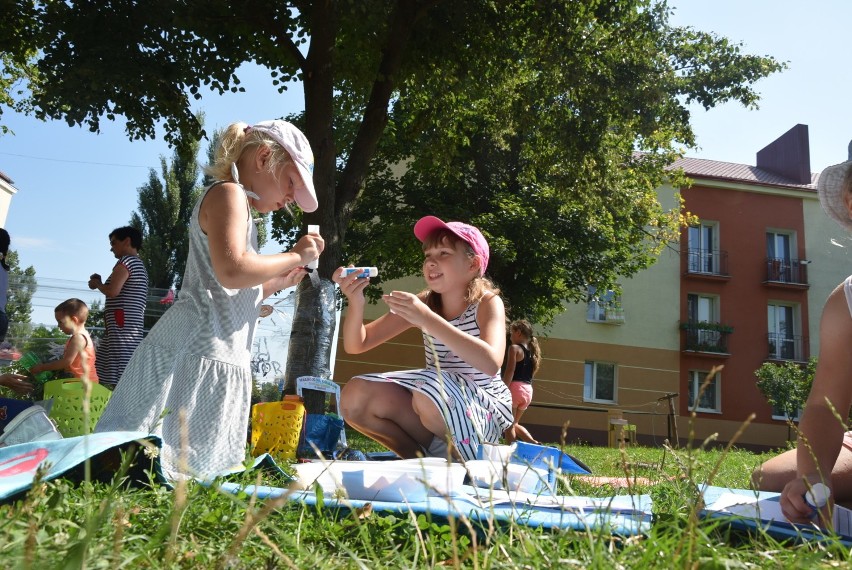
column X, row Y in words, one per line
column 276, row 427
column 67, row 407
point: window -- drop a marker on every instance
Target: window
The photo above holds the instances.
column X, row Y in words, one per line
column 599, row 382
column 708, row 400
column 702, row 308
column 780, row 257
column 605, row 308
column 784, row 343
column 703, row 248
column 703, row 332
column 778, row 414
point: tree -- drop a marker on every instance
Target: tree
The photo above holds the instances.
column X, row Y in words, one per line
column 576, row 86
column 19, row 303
column 165, row 207
column 786, row 387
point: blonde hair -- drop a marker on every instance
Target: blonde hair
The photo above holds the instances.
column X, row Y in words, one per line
column 524, row 327
column 478, row 287
column 236, row 139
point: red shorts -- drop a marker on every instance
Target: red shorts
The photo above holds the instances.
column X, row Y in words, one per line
column 521, row 394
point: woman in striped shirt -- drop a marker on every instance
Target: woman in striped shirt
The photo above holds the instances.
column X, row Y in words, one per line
column 126, row 291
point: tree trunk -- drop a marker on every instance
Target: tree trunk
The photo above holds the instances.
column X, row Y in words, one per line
column 311, row 339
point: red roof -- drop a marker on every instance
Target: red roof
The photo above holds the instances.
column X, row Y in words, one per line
column 733, row 172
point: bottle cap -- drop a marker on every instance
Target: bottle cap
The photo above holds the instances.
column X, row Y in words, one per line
column 817, row 496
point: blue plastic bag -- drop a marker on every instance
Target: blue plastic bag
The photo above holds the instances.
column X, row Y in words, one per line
column 323, row 431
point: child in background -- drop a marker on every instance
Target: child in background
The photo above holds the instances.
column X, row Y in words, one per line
column 79, row 356
column 195, row 362
column 521, row 365
column 463, row 321
column 5, row 242
column 824, row 450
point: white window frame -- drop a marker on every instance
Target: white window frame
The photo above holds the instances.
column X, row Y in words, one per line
column 795, row 314
column 590, row 381
column 706, row 253
column 784, row 270
column 784, row 418
column 696, row 380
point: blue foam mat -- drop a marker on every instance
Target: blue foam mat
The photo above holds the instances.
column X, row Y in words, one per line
column 621, row 515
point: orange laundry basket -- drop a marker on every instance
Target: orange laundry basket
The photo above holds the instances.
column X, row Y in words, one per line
column 276, row 427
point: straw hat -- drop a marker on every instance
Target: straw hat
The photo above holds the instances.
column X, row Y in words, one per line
column 830, row 188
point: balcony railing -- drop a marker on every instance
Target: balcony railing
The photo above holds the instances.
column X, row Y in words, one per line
column 782, row 270
column 707, row 262
column 787, row 347
column 706, row 337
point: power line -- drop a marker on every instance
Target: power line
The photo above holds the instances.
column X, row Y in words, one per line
column 75, row 161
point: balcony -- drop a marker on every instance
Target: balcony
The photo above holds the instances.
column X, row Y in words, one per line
column 787, row 347
column 785, row 272
column 712, row 263
column 706, row 337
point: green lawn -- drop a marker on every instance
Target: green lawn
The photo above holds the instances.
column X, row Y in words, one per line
column 64, row 525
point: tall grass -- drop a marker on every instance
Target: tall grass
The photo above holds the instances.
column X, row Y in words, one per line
column 60, row 524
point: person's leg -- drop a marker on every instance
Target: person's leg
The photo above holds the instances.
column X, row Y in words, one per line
column 510, row 435
column 384, row 412
column 520, row 431
column 775, row 473
column 432, row 419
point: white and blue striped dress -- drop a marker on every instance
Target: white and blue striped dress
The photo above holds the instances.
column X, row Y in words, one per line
column 476, row 407
column 195, row 360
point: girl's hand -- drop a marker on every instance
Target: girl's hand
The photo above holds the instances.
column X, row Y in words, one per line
column 351, row 286
column 289, row 278
column 796, row 509
column 409, row 307
column 36, row 369
column 309, row 247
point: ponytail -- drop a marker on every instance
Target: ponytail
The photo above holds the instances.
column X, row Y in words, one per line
column 535, row 353
column 525, row 328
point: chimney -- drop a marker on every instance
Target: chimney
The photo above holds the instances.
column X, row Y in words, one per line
column 789, row 155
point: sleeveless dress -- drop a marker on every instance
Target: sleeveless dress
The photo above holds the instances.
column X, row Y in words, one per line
column 76, row 367
column 124, row 320
column 476, row 407
column 195, row 361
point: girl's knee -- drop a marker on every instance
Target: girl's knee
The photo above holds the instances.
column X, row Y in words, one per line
column 352, row 399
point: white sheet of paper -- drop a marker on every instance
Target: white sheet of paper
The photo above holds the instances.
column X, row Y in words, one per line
column 770, row 510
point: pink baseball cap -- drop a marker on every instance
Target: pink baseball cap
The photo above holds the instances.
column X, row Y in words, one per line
column 468, row 233
column 295, row 143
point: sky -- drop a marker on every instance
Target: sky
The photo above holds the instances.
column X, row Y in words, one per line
column 74, row 186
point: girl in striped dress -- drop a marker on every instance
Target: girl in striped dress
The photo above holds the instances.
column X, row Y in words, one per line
column 458, row 398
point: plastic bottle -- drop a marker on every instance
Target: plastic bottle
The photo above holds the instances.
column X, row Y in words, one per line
column 313, row 229
column 361, row 271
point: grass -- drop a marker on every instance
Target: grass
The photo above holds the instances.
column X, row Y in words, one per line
column 60, row 524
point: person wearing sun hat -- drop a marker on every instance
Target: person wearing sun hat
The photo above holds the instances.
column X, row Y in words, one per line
column 458, row 398
column 192, row 372
column 822, row 459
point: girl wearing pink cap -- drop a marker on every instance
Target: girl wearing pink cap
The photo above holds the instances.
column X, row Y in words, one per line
column 194, row 365
column 459, row 396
